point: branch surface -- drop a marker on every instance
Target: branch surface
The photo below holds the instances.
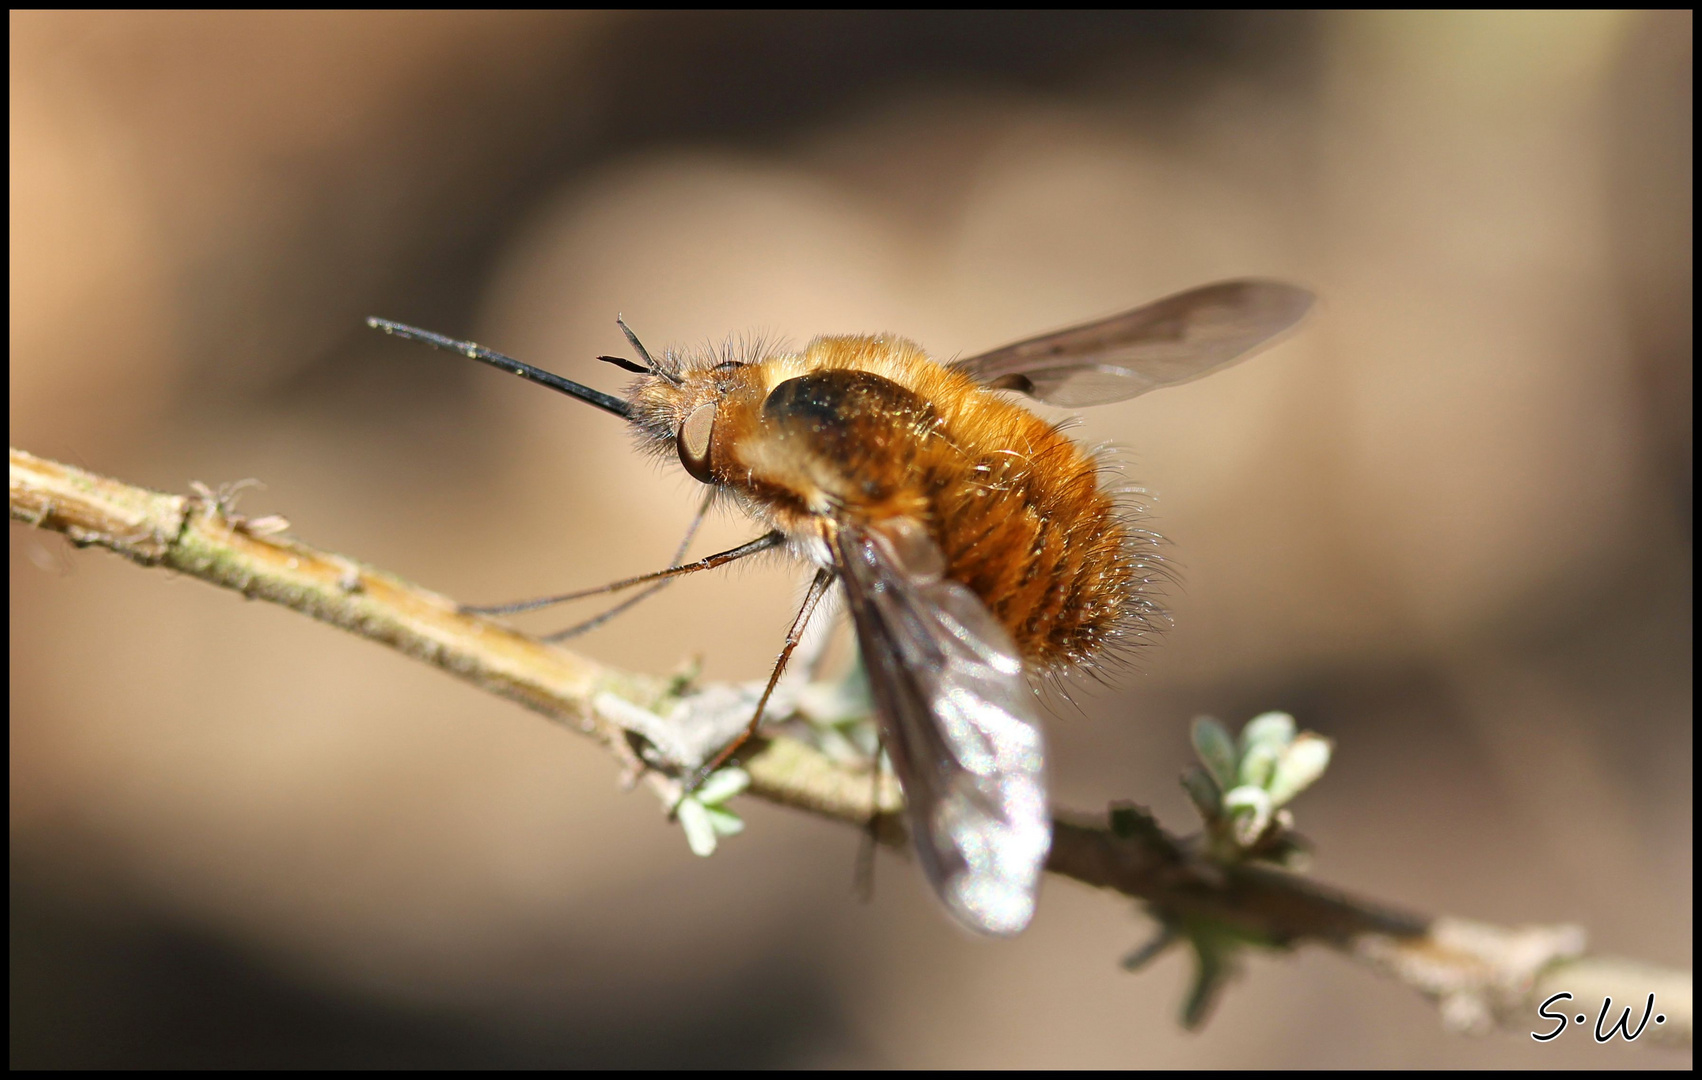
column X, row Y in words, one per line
column 1479, row 975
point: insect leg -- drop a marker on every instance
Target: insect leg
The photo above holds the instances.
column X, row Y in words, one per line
column 679, row 553
column 813, row 596
column 708, row 562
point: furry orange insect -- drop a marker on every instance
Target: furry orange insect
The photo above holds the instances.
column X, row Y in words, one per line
column 976, row 545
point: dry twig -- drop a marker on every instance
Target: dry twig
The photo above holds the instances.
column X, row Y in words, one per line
column 1480, row 975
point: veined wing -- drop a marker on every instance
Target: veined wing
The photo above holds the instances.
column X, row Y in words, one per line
column 1170, row 341
column 958, row 718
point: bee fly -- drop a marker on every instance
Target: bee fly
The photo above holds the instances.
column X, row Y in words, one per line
column 976, row 544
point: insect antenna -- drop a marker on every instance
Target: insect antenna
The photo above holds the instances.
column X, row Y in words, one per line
column 655, row 368
column 606, row 402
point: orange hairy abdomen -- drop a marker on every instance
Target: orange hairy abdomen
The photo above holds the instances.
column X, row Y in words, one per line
column 1032, row 534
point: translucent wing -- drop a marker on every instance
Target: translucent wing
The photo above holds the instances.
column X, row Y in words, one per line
column 959, row 720
column 1170, row 341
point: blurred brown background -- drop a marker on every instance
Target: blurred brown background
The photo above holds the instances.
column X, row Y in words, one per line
column 1448, row 524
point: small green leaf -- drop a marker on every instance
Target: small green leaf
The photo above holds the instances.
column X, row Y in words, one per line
column 700, row 830
column 1214, row 965
column 1216, row 751
column 1274, row 729
column 722, row 785
column 1138, row 958
column 1299, row 767
column 725, row 822
column 1257, row 764
column 1208, row 800
column 1250, row 809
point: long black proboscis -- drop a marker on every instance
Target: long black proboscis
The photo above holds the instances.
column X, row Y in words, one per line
column 606, row 402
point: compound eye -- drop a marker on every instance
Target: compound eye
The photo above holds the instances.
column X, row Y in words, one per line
column 693, row 442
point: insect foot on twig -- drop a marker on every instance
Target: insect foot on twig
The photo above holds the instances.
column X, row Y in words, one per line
column 679, row 732
column 678, row 740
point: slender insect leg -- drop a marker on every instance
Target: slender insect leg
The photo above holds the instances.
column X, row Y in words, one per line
column 708, row 562
column 818, row 636
column 679, row 553
column 818, row 586
column 598, row 620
